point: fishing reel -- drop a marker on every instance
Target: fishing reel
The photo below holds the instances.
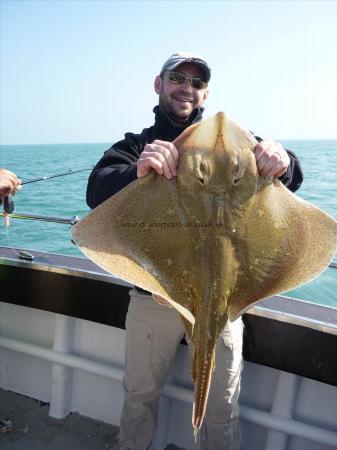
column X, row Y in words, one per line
column 9, row 206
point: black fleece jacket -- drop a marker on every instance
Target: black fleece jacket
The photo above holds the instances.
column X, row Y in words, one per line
column 117, row 168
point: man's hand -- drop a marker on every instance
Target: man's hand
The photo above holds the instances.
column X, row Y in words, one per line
column 161, row 156
column 9, row 183
column 271, row 159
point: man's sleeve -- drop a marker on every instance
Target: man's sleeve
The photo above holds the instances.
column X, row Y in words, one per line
column 115, row 170
column 293, row 177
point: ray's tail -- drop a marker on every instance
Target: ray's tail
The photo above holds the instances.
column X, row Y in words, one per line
column 203, row 367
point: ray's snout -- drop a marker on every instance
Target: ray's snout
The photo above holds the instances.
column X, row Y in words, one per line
column 215, row 157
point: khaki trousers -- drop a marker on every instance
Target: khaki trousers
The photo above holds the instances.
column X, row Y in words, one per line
column 153, row 334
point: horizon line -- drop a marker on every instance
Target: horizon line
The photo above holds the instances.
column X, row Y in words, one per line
column 109, row 142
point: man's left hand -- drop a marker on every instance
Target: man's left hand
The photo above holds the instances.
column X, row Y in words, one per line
column 271, row 159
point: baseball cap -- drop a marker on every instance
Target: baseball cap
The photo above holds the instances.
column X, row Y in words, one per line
column 179, row 58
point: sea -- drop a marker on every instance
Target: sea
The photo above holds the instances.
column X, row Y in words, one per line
column 65, row 197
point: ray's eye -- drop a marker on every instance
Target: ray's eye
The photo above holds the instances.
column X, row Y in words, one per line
column 202, row 171
column 236, row 172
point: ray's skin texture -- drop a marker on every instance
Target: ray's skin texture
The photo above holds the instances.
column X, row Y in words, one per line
column 212, row 241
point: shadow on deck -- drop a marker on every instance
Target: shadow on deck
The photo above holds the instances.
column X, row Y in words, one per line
column 26, row 425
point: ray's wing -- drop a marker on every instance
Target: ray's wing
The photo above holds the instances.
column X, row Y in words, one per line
column 288, row 242
column 138, row 236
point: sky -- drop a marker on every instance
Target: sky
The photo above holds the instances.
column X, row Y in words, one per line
column 83, row 71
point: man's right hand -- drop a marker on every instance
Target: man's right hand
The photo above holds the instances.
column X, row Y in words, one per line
column 161, row 156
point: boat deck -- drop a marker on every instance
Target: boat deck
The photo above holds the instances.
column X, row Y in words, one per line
column 30, row 427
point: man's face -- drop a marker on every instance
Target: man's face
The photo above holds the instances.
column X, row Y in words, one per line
column 179, row 100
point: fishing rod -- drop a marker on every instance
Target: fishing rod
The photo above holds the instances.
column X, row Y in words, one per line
column 9, row 206
column 69, row 172
column 42, row 218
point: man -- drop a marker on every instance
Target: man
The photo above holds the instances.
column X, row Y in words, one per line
column 153, row 329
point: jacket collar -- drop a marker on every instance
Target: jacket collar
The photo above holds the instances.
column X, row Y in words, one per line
column 165, row 123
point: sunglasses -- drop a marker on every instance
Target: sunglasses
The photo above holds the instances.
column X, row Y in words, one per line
column 180, row 78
